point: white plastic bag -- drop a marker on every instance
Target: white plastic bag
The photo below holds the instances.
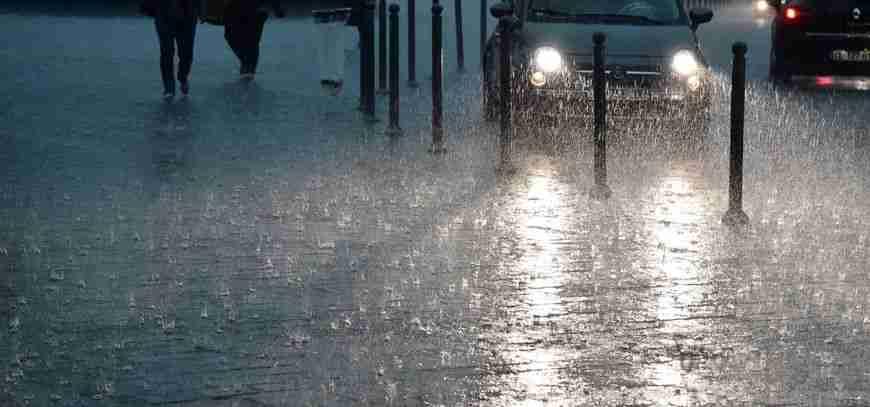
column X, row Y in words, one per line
column 332, row 34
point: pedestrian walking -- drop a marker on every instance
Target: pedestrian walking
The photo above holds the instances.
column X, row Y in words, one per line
column 244, row 21
column 175, row 22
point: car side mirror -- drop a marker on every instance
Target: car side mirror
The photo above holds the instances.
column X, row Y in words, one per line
column 700, row 16
column 500, row 10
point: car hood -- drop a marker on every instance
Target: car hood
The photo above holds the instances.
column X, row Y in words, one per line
column 641, row 42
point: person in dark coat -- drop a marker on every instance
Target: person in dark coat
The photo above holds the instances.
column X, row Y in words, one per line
column 243, row 28
column 356, row 9
column 355, row 18
column 175, row 22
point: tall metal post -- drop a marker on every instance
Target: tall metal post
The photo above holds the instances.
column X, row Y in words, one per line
column 437, row 73
column 735, row 215
column 599, row 84
column 460, row 40
column 382, row 51
column 363, row 64
column 368, row 59
column 394, row 128
column 505, row 27
column 412, row 44
column 482, row 30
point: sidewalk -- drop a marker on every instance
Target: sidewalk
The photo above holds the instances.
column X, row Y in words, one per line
column 262, row 247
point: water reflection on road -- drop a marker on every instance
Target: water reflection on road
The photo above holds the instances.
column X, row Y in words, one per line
column 539, row 272
column 677, row 203
column 525, row 355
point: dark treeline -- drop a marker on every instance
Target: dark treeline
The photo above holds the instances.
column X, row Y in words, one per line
column 128, row 7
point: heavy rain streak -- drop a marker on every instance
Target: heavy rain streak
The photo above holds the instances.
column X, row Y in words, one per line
column 265, row 240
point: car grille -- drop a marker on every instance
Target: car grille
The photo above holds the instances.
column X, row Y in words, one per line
column 631, row 75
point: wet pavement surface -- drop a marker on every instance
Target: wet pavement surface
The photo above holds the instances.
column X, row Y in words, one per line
column 258, row 245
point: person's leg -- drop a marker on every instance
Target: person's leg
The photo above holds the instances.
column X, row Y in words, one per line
column 186, row 39
column 232, row 33
column 256, row 35
column 167, row 55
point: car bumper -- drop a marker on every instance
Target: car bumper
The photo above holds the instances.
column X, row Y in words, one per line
column 620, row 103
column 819, row 53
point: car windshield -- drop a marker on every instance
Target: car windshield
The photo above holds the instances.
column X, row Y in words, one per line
column 610, row 11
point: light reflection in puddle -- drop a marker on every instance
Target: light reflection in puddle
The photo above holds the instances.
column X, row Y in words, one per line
column 677, row 203
column 540, row 231
column 535, row 382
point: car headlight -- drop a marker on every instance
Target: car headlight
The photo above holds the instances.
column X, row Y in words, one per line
column 685, row 63
column 548, row 60
column 538, row 79
column 761, row 5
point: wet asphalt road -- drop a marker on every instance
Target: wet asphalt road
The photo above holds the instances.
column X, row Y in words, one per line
column 259, row 246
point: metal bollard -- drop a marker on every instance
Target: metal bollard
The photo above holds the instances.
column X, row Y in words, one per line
column 437, row 73
column 382, row 51
column 505, row 27
column 394, row 128
column 412, row 44
column 735, row 215
column 460, row 40
column 482, row 30
column 599, row 85
column 368, row 60
column 363, row 64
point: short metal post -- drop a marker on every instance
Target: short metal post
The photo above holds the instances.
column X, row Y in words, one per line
column 505, row 27
column 460, row 41
column 382, row 51
column 412, row 44
column 368, row 50
column 437, row 73
column 482, row 30
column 394, row 128
column 599, row 85
column 735, row 215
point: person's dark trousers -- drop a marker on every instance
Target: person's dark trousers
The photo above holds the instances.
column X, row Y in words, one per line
column 175, row 33
column 243, row 34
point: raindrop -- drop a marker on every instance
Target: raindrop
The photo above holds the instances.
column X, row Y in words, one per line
column 56, row 275
column 14, row 324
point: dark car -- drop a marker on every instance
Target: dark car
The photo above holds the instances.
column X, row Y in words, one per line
column 654, row 61
column 820, row 37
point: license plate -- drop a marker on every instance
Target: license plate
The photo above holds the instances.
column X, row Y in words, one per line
column 851, row 56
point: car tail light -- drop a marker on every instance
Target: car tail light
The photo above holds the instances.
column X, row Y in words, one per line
column 791, row 13
column 824, row 81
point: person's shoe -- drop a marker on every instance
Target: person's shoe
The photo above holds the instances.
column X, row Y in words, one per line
column 168, row 96
column 185, row 88
column 247, row 77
